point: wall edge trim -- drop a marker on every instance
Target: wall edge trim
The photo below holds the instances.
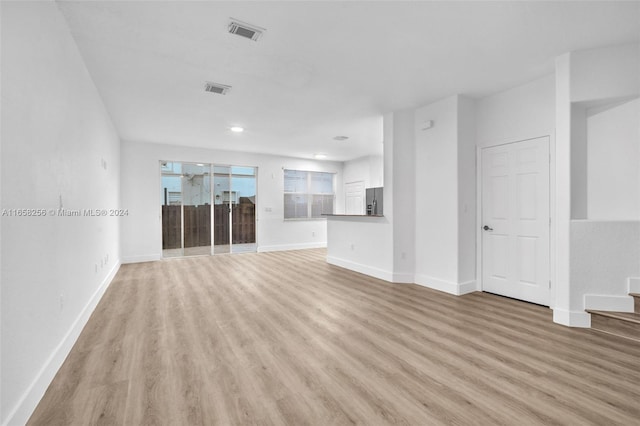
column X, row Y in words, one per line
column 363, row 269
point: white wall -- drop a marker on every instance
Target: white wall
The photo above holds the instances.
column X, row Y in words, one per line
column 376, row 171
column 466, row 191
column 605, row 73
column 357, row 170
column 436, row 195
column 56, row 135
column 368, row 169
column 579, row 166
column 613, row 181
column 141, row 230
column 604, row 254
column 588, row 78
column 362, row 244
column 523, row 112
column 404, row 195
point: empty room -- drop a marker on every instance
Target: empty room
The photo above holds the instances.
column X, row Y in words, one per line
column 319, row 212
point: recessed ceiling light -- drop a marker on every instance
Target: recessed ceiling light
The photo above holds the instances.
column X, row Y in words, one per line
column 237, row 129
column 319, row 156
column 341, row 138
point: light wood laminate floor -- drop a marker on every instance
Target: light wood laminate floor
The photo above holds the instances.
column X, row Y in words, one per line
column 285, row 338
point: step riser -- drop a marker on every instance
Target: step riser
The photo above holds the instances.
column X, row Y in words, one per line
column 615, row 326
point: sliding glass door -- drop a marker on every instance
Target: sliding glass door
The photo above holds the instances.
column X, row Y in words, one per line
column 243, row 212
column 234, row 209
column 196, row 208
column 203, row 203
column 222, row 203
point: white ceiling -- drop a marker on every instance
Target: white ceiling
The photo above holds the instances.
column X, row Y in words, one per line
column 322, row 69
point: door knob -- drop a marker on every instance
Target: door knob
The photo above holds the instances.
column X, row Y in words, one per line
column 487, row 228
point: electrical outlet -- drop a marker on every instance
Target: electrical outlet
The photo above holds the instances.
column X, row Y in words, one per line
column 313, row 233
column 61, row 301
column 96, row 268
column 353, row 246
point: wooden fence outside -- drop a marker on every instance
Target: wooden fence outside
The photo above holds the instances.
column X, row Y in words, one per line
column 197, row 225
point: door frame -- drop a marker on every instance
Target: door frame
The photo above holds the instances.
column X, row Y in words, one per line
column 211, row 165
column 553, row 236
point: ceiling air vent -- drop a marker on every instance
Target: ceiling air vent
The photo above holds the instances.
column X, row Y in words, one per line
column 218, row 88
column 245, row 30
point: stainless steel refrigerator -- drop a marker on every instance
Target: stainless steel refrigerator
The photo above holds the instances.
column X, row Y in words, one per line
column 374, row 201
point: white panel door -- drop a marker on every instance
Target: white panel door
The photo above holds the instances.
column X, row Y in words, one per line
column 354, row 198
column 515, row 220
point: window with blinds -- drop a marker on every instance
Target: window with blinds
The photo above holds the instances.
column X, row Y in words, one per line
column 308, row 195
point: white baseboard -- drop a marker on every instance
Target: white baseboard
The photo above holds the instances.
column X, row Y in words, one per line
column 403, row 278
column 363, row 269
column 450, row 287
column 140, row 259
column 285, row 247
column 34, row 393
column 608, row 303
column 634, row 285
column 572, row 318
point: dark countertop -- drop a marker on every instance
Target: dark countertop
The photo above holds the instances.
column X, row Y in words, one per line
column 353, row 215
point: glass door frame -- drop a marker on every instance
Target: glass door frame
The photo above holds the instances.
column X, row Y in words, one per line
column 212, row 204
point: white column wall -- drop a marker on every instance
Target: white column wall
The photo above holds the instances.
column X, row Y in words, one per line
column 467, row 225
column 404, row 196
column 436, row 177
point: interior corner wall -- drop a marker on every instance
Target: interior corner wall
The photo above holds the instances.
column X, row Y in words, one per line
column 141, row 195
column 59, row 149
column 467, row 192
column 579, row 160
column 613, row 161
column 404, row 214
